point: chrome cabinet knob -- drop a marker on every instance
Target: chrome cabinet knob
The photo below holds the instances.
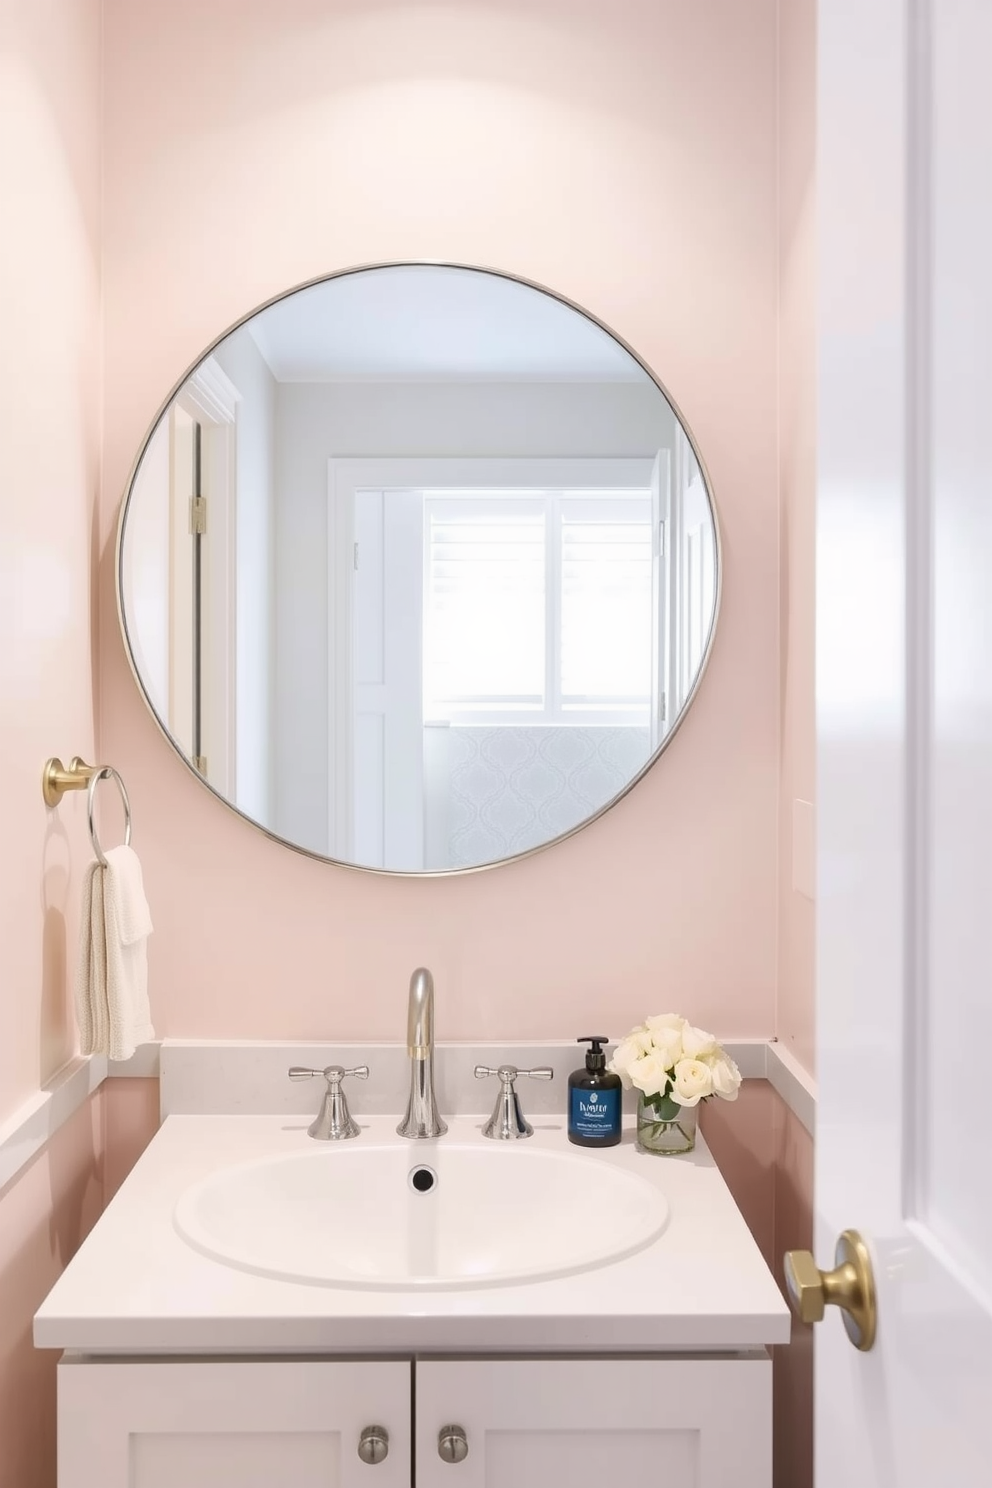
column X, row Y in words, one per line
column 452, row 1444
column 373, row 1444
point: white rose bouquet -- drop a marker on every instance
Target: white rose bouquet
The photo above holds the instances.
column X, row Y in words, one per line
column 674, row 1066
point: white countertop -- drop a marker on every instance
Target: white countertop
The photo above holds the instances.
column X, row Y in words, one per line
column 136, row 1287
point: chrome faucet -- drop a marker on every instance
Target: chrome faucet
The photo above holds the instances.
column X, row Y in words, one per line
column 421, row 1119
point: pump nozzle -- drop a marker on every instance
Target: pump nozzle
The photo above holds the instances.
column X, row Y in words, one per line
column 595, row 1059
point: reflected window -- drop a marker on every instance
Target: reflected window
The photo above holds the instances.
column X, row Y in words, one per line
column 537, row 607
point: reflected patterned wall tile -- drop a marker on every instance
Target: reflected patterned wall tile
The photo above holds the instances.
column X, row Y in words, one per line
column 505, row 790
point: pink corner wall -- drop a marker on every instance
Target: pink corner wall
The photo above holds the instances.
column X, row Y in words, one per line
column 614, row 153
column 50, row 435
column 44, row 1217
column 766, row 1156
column 619, row 155
column 795, row 1012
column 792, row 1229
column 45, row 1214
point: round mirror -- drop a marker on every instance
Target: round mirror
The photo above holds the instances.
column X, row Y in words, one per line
column 418, row 568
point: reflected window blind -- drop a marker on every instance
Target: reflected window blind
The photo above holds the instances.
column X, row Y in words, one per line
column 484, row 626
column 605, row 612
column 537, row 606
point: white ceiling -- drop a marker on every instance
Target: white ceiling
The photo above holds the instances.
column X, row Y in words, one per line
column 421, row 322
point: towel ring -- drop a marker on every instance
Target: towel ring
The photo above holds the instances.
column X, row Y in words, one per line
column 106, row 772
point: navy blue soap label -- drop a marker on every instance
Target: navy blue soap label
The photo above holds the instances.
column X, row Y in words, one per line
column 594, row 1113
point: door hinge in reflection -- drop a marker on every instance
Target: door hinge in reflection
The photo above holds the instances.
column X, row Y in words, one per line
column 356, row 558
column 200, row 764
column 197, row 515
column 663, row 708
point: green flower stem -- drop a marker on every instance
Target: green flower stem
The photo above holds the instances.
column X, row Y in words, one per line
column 664, row 1126
column 662, row 1107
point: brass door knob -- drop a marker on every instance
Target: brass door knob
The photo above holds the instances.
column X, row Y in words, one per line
column 373, row 1444
column 452, row 1444
column 849, row 1286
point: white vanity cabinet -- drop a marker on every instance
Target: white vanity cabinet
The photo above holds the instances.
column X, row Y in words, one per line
column 180, row 1371
column 231, row 1423
column 532, row 1423
column 525, row 1422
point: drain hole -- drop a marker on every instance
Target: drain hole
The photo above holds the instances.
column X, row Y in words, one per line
column 423, row 1179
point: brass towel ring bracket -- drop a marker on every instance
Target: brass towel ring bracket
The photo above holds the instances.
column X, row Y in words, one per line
column 56, row 780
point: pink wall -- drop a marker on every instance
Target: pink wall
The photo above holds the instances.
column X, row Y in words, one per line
column 795, row 1013
column 44, row 1216
column 617, row 154
column 614, row 153
column 793, row 1363
column 766, row 1157
column 49, row 434
column 130, row 1120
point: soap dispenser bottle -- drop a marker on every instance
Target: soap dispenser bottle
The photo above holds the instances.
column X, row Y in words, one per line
column 594, row 1100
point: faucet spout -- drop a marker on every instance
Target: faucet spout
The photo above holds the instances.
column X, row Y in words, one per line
column 422, row 1118
column 420, row 1015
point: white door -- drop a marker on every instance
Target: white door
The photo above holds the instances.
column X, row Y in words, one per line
column 386, row 703
column 904, row 720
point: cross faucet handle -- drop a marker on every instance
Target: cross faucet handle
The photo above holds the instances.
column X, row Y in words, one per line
column 508, row 1121
column 333, row 1073
column 334, row 1123
column 509, row 1072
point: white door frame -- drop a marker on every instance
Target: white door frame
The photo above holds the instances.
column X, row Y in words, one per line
column 904, row 230
column 211, row 398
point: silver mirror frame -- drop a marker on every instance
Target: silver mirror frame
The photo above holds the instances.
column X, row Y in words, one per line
column 129, row 489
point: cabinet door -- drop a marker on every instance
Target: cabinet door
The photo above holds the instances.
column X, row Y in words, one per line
column 700, row 1423
column 230, row 1424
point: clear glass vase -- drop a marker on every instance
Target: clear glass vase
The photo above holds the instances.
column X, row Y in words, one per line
column 665, row 1127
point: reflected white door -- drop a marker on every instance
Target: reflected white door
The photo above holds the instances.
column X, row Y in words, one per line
column 183, row 647
column 904, row 720
column 202, row 583
column 661, row 548
column 685, row 577
column 385, row 814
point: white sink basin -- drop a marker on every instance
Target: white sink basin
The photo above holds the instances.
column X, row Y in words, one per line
column 349, row 1216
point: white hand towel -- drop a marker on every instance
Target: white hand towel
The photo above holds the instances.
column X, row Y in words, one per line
column 91, row 972
column 112, row 981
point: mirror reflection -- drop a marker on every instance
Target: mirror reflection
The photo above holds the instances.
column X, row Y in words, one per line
column 418, row 568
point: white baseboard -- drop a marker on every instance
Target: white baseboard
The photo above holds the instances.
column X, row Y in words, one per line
column 793, row 1083
column 24, row 1133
